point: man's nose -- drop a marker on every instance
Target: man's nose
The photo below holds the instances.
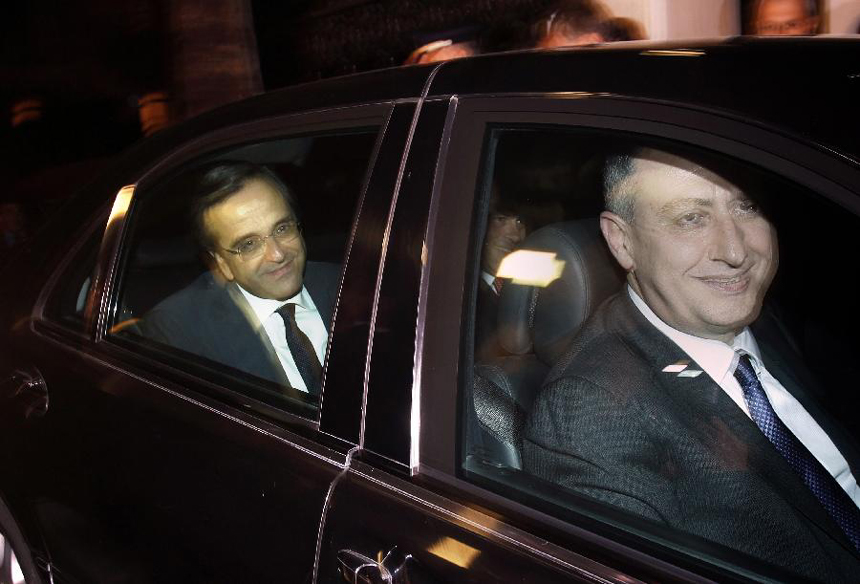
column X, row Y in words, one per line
column 728, row 242
column 272, row 249
column 514, row 229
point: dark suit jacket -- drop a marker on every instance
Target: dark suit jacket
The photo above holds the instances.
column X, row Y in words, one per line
column 487, row 344
column 214, row 320
column 611, row 425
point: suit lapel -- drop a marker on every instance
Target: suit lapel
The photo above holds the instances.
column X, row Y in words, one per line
column 247, row 347
column 709, row 413
column 785, row 364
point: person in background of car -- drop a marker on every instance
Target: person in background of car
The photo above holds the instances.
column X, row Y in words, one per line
column 570, row 23
column 785, row 17
column 268, row 311
column 668, row 406
column 444, row 46
column 505, row 231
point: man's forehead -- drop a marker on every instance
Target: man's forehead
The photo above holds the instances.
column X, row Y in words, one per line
column 658, row 172
column 256, row 204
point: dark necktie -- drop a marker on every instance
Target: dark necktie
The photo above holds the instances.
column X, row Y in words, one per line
column 302, row 350
column 497, row 284
column 822, row 484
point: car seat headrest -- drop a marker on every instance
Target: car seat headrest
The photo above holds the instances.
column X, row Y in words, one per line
column 543, row 320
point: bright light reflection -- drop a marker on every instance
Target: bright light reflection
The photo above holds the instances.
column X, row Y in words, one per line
column 531, row 268
column 672, row 53
column 120, row 204
column 456, row 552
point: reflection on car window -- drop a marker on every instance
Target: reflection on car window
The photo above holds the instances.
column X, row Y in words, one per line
column 235, row 260
column 658, row 339
column 68, row 301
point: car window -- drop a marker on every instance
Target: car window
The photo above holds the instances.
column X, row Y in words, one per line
column 68, row 301
column 680, row 366
column 232, row 263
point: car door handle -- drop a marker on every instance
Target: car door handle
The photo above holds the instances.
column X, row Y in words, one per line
column 28, row 388
column 359, row 569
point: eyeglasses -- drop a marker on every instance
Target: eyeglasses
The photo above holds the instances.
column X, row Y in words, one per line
column 251, row 247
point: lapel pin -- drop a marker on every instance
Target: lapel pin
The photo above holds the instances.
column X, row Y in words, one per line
column 690, row 373
column 676, row 367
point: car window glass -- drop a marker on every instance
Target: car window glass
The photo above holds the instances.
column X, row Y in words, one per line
column 233, row 261
column 68, row 301
column 680, row 367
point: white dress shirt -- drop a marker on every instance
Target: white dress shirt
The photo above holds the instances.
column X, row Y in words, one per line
column 308, row 320
column 489, row 279
column 719, row 361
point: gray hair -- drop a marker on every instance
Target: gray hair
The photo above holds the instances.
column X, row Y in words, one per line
column 618, row 194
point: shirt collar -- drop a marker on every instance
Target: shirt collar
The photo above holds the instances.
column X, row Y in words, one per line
column 488, row 278
column 264, row 307
column 716, row 358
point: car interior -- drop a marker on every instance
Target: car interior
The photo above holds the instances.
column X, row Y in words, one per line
column 163, row 256
column 536, row 325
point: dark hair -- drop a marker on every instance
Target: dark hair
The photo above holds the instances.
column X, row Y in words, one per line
column 574, row 17
column 621, row 29
column 217, row 181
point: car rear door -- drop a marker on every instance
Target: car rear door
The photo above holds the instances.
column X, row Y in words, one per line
column 136, row 464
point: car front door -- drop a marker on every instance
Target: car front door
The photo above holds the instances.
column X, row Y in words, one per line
column 425, row 500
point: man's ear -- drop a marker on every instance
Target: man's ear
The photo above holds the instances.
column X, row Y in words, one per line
column 616, row 232
column 223, row 267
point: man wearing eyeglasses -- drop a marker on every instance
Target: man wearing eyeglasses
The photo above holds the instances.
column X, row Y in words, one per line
column 263, row 309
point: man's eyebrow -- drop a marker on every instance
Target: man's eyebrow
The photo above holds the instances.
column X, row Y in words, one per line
column 673, row 207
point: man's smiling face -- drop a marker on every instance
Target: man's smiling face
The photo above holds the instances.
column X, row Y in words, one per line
column 698, row 251
column 256, row 210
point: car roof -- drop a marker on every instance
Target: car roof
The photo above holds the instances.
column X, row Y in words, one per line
column 807, row 87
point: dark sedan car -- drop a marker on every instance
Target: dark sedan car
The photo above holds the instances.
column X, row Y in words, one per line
column 443, row 229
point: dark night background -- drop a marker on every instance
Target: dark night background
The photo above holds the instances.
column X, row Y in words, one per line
column 88, row 63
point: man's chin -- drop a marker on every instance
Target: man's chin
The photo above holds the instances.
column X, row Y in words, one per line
column 734, row 321
column 278, row 291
